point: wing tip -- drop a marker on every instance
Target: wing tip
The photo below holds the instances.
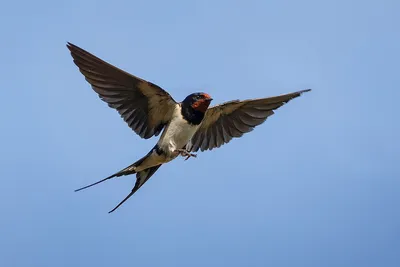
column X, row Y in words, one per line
column 70, row 45
column 304, row 91
column 297, row 94
column 74, row 49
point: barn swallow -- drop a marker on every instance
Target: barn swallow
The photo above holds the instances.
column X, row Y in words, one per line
column 186, row 126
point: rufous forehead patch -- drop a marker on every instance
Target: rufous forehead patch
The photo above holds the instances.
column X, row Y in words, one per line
column 206, row 95
column 202, row 104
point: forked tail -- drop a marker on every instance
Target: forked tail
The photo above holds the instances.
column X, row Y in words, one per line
column 141, row 178
column 127, row 171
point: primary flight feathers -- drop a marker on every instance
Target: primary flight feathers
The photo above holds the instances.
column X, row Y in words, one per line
column 143, row 105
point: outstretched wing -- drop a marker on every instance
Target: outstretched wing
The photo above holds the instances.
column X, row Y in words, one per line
column 143, row 105
column 235, row 118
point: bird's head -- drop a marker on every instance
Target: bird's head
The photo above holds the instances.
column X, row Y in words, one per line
column 198, row 101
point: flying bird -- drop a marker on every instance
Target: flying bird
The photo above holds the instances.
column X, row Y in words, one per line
column 185, row 127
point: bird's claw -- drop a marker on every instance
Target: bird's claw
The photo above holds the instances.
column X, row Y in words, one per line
column 185, row 153
column 190, row 155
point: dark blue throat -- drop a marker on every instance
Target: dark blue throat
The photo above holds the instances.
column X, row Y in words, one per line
column 191, row 115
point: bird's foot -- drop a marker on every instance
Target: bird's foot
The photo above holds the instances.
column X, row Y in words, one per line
column 185, row 153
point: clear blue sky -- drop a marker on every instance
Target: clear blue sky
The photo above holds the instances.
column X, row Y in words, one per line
column 317, row 185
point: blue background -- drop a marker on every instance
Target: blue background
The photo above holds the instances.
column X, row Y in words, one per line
column 317, row 185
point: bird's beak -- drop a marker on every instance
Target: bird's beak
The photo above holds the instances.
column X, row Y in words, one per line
column 208, row 99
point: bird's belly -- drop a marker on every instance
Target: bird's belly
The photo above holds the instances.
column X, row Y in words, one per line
column 176, row 137
column 180, row 139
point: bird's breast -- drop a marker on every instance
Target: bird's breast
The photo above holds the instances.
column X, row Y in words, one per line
column 177, row 134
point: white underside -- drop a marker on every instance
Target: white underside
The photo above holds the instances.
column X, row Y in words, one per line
column 175, row 136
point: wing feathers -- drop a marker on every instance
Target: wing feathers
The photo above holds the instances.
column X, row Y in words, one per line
column 232, row 119
column 143, row 105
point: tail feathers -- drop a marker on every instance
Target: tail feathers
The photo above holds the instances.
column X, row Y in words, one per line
column 128, row 170
column 141, row 178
